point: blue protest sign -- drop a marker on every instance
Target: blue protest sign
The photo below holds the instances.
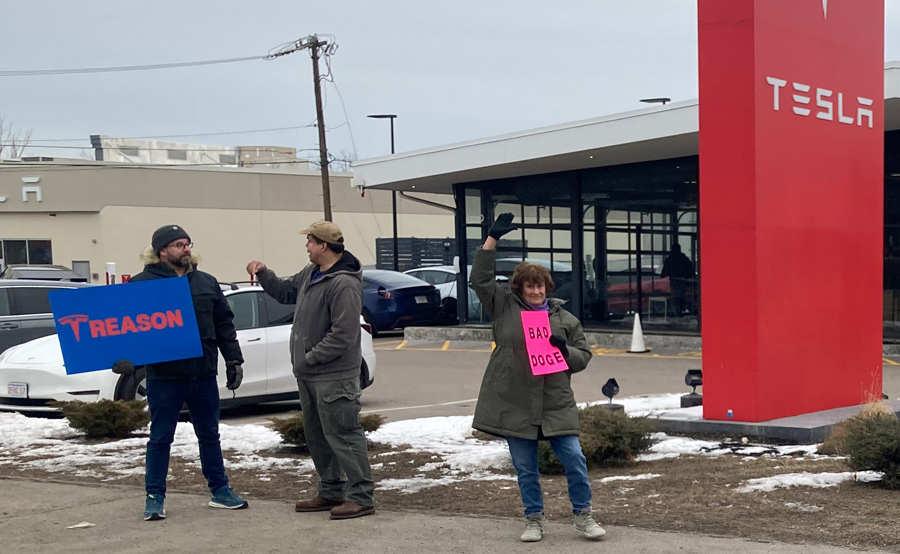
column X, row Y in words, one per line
column 145, row 322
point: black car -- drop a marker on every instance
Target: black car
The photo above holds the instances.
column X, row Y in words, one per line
column 393, row 300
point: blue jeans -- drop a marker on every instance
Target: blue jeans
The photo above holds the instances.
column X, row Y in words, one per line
column 525, row 459
column 166, row 397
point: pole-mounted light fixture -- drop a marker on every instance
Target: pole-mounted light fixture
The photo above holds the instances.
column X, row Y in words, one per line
column 660, row 100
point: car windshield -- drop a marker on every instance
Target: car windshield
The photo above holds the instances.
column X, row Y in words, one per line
column 393, row 279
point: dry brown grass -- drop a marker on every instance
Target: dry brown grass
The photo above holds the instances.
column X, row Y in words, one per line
column 692, row 495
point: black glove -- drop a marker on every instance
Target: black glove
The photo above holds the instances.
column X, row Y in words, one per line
column 502, row 226
column 234, row 374
column 557, row 341
column 123, row 367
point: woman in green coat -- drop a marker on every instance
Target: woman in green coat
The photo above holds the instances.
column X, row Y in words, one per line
column 522, row 407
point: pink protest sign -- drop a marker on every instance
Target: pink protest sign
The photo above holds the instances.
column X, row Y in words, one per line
column 543, row 357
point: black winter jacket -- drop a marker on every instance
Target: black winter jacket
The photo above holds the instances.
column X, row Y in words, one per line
column 214, row 319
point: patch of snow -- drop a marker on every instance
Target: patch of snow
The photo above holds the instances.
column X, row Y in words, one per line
column 806, row 479
column 641, row 477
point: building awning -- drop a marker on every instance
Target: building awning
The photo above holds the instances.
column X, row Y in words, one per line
column 657, row 133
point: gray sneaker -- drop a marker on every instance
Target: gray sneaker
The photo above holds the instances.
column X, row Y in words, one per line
column 585, row 523
column 154, row 508
column 534, row 529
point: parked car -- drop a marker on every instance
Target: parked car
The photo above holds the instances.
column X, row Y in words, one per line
column 393, row 300
column 443, row 277
column 42, row 273
column 33, row 374
column 25, row 309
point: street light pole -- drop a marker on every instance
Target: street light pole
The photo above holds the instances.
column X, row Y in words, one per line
column 393, row 192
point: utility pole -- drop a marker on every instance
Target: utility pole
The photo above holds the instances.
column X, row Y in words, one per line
column 313, row 44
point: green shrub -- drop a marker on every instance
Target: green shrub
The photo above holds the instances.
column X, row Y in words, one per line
column 371, row 422
column 105, row 419
column 871, row 442
column 292, row 432
column 607, row 438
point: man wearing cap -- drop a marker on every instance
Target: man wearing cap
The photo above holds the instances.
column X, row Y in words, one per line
column 191, row 382
column 326, row 356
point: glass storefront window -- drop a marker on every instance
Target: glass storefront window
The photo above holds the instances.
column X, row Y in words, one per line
column 39, row 252
column 15, row 252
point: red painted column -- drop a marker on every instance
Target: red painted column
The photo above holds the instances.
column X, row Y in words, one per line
column 791, row 202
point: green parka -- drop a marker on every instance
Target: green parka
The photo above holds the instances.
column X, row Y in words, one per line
column 513, row 401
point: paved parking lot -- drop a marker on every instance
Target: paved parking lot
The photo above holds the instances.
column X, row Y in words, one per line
column 424, row 379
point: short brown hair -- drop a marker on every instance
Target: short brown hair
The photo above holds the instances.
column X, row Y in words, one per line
column 536, row 274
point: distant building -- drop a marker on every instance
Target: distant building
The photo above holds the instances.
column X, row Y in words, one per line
column 85, row 214
column 158, row 152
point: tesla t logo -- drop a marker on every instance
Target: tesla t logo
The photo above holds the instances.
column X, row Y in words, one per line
column 803, row 96
column 75, row 322
column 825, row 8
column 113, row 326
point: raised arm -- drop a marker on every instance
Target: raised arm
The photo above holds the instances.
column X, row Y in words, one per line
column 282, row 290
column 483, row 279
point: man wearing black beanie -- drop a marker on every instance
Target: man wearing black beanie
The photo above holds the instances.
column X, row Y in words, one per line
column 191, row 381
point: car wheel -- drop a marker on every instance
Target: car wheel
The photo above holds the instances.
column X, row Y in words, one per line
column 448, row 315
column 132, row 387
column 370, row 321
column 364, row 376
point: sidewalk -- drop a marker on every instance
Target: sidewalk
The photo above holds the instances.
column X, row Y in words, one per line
column 34, row 517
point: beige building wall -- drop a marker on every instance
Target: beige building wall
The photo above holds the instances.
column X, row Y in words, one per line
column 106, row 214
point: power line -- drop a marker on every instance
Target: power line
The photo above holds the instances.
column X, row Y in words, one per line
column 114, row 69
column 51, row 166
column 212, row 149
column 277, row 52
column 272, row 129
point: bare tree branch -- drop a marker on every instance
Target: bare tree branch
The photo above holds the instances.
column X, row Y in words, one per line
column 12, row 143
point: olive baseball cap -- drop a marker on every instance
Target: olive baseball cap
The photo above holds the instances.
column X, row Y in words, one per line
column 324, row 230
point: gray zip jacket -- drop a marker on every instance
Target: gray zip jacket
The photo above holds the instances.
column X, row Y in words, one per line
column 325, row 334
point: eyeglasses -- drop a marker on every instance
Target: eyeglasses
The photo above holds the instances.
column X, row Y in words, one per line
column 181, row 245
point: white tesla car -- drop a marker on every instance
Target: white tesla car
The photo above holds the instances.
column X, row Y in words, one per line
column 32, row 374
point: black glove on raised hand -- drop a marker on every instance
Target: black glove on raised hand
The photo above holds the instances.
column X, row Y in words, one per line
column 557, row 341
column 501, row 226
column 123, row 367
column 234, row 374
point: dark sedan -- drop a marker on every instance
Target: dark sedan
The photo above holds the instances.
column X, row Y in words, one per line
column 393, row 300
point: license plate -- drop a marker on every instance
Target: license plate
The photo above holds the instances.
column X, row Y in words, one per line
column 421, row 300
column 17, row 390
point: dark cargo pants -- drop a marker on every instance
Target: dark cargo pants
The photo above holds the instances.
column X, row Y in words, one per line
column 336, row 440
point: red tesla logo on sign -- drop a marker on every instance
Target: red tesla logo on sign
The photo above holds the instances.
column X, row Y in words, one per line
column 74, row 321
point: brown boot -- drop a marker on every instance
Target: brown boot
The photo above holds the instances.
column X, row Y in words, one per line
column 349, row 510
column 316, row 504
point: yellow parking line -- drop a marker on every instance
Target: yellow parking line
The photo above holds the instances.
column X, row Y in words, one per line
column 890, row 362
column 401, row 345
column 493, row 345
column 446, row 345
column 420, row 349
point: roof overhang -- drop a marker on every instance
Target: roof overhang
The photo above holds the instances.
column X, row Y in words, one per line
column 658, row 133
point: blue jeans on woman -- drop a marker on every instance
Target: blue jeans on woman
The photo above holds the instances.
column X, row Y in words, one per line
column 525, row 459
column 166, row 398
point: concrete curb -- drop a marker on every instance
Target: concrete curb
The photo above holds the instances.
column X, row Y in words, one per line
column 599, row 339
column 602, row 340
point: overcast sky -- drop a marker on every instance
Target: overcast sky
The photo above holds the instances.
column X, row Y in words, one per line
column 452, row 71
